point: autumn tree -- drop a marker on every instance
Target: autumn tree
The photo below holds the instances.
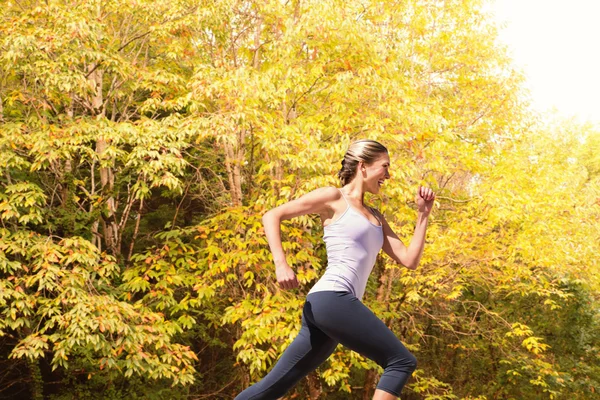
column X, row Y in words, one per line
column 141, row 142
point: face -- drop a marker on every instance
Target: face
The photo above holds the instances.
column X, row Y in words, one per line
column 376, row 173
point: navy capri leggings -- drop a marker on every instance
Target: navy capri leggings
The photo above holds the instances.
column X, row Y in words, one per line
column 329, row 318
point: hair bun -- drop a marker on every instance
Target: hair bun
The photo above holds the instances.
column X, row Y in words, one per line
column 366, row 151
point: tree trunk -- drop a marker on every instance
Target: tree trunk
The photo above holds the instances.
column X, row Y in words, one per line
column 234, row 159
column 314, row 385
column 65, row 187
column 107, row 182
column 257, row 32
column 107, row 179
column 37, row 383
column 95, row 75
column 369, row 385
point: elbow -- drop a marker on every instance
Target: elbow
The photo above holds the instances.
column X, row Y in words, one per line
column 415, row 263
column 406, row 260
column 268, row 217
column 411, row 264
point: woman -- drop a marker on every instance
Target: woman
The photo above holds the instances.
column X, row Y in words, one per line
column 333, row 312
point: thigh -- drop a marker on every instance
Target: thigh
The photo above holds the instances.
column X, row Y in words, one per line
column 308, row 350
column 346, row 319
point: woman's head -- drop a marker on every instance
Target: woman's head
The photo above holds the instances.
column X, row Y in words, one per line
column 361, row 153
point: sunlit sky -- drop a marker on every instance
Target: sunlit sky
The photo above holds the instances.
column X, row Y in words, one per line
column 557, row 45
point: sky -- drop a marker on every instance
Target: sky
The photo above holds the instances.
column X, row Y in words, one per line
column 557, row 45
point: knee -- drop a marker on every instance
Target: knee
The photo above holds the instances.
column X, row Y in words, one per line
column 397, row 371
column 405, row 362
column 412, row 363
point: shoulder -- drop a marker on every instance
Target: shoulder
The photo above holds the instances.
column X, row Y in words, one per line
column 322, row 195
column 330, row 192
column 317, row 201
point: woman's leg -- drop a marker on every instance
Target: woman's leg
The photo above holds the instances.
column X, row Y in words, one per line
column 308, row 350
column 347, row 320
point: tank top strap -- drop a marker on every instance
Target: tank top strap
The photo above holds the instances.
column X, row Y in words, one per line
column 344, row 196
column 376, row 215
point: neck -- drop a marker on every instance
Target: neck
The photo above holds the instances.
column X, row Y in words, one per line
column 355, row 190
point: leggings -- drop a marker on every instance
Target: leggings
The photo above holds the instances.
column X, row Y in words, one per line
column 329, row 318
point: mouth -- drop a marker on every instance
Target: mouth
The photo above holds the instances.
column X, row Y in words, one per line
column 380, row 182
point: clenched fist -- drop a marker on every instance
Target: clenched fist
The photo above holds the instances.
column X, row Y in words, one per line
column 425, row 199
column 286, row 276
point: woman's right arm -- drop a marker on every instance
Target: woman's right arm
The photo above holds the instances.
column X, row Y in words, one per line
column 316, row 202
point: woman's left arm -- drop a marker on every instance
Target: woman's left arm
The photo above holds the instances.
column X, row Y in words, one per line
column 393, row 246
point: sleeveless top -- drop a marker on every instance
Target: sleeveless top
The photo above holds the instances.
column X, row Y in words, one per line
column 352, row 243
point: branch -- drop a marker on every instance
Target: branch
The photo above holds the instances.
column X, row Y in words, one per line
column 454, row 200
column 296, row 100
column 210, row 395
column 136, row 230
column 134, row 39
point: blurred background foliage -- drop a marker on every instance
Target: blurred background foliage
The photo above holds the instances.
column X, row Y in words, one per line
column 141, row 142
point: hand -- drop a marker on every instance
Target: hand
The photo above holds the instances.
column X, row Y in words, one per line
column 425, row 199
column 286, row 276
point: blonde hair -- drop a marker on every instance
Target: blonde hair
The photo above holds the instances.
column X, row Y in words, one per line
column 367, row 151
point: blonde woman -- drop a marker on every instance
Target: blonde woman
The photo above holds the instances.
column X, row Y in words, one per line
column 333, row 313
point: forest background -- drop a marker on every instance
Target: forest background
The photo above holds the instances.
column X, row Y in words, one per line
column 141, row 142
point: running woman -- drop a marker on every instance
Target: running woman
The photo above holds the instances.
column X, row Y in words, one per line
column 333, row 312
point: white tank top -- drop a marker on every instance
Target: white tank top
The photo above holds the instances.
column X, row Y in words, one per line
column 352, row 243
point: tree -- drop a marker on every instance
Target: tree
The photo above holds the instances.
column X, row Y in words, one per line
column 141, row 143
